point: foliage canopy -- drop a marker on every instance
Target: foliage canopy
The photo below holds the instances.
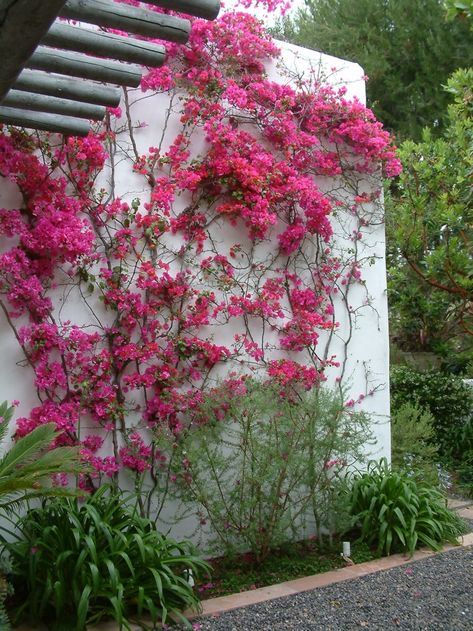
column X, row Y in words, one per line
column 430, row 219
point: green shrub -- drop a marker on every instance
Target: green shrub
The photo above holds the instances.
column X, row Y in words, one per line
column 458, row 363
column 447, row 398
column 462, row 456
column 4, row 619
column 413, row 442
column 26, row 468
column 257, row 476
column 74, row 564
column 398, row 513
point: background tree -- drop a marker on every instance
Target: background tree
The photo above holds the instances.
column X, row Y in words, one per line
column 430, row 224
column 420, row 317
column 459, row 8
column 406, row 47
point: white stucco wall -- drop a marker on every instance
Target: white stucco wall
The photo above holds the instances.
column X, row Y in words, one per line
column 367, row 363
column 368, row 349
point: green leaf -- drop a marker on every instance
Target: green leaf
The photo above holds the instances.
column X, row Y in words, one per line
column 400, row 516
column 388, row 542
column 113, row 573
column 400, row 535
column 158, row 581
column 117, row 609
column 59, row 596
column 95, row 574
column 27, row 448
column 382, row 511
column 90, row 544
column 83, row 607
column 139, row 541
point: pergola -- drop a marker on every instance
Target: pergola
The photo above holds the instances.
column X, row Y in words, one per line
column 56, row 77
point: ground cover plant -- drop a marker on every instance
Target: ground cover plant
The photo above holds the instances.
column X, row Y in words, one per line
column 75, row 564
column 290, row 561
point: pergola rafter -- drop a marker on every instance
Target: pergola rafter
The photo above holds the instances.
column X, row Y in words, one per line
column 39, row 52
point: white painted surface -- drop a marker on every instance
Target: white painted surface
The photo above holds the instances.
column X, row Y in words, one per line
column 367, row 363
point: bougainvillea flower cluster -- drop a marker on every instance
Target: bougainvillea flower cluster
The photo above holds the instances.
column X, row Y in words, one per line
column 151, row 271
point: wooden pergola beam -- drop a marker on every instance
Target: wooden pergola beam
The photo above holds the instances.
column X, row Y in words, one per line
column 85, row 66
column 53, row 105
column 48, row 122
column 127, row 18
column 56, row 103
column 83, row 40
column 207, row 9
column 23, row 23
column 52, row 85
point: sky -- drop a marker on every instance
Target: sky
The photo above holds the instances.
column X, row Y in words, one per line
column 261, row 13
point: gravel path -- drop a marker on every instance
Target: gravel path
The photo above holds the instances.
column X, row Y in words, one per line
column 434, row 594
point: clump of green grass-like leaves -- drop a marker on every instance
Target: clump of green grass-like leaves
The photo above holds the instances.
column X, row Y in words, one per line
column 396, row 512
column 77, row 563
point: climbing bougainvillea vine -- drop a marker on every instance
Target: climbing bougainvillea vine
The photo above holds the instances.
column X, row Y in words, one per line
column 127, row 308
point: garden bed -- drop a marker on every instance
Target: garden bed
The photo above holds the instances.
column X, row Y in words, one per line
column 213, row 605
column 291, row 561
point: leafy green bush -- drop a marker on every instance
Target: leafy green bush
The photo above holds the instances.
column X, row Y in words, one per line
column 4, row 619
column 75, row 564
column 458, row 362
column 413, row 442
column 271, row 465
column 26, row 468
column 398, row 513
column 462, row 456
column 447, row 398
